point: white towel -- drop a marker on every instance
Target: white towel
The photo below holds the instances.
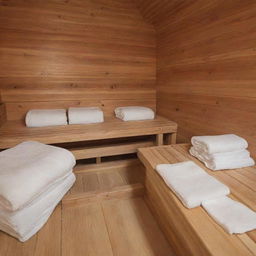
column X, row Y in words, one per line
column 29, row 169
column 191, row 183
column 225, row 160
column 23, row 221
column 233, row 216
column 86, row 115
column 134, row 113
column 219, row 143
column 46, row 117
column 36, row 227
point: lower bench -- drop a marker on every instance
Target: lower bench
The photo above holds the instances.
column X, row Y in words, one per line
column 193, row 231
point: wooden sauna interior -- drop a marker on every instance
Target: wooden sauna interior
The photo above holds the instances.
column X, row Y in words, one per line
column 191, row 61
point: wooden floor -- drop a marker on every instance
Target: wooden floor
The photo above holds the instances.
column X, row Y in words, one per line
column 117, row 223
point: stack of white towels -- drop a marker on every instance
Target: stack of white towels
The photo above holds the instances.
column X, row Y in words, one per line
column 33, row 179
column 220, row 152
column 194, row 187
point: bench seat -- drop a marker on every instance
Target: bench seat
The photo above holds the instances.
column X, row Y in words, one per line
column 193, row 231
column 14, row 132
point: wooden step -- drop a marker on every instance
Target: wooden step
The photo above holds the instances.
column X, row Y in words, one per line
column 109, row 150
column 106, row 166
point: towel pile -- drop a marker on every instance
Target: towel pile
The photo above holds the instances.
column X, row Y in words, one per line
column 194, row 187
column 33, row 179
column 222, row 151
column 134, row 113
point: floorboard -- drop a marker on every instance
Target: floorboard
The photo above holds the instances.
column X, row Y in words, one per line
column 133, row 230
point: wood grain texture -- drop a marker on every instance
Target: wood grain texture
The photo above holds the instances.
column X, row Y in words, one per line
column 69, row 52
column 193, row 231
column 133, row 230
column 3, row 117
column 206, row 69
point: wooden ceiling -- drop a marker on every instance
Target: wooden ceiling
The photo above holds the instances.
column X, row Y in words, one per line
column 156, row 11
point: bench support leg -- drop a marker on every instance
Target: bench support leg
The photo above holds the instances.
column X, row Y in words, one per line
column 171, row 138
column 159, row 139
column 98, row 160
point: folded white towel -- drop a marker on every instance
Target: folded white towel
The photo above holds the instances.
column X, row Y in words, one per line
column 134, row 113
column 86, row 115
column 36, row 227
column 219, row 143
column 191, row 183
column 46, row 117
column 233, row 216
column 28, row 170
column 225, row 160
column 23, row 221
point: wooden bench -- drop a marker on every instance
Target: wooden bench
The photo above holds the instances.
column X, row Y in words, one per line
column 158, row 131
column 193, row 231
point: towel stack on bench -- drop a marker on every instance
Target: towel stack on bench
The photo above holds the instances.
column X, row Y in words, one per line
column 33, row 179
column 194, row 187
column 222, row 151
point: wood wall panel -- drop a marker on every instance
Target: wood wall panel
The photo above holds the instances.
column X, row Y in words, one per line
column 75, row 50
column 206, row 68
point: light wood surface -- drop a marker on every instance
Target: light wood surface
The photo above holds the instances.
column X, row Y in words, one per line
column 109, row 150
column 142, row 235
column 3, row 117
column 206, row 65
column 193, row 231
column 75, row 53
column 107, row 228
column 14, row 132
column 84, row 231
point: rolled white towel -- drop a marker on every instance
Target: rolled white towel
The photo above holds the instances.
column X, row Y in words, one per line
column 219, row 143
column 191, row 183
column 28, row 169
column 225, row 160
column 20, row 223
column 87, row 115
column 134, row 113
column 233, row 216
column 46, row 117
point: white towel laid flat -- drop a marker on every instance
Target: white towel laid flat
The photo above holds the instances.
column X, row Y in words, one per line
column 219, row 143
column 23, row 221
column 191, row 183
column 225, row 160
column 134, row 113
column 46, row 117
column 28, row 170
column 233, row 216
column 86, row 115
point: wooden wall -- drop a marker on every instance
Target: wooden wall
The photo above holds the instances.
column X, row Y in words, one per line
column 60, row 53
column 206, row 65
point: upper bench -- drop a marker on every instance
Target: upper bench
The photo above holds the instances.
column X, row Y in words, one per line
column 14, row 132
